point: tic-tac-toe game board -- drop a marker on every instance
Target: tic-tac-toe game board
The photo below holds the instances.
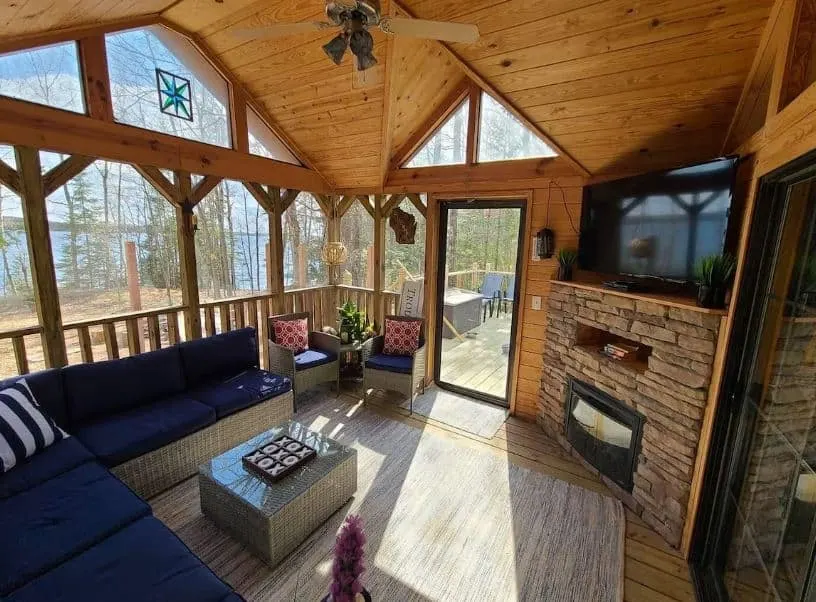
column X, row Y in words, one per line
column 277, row 458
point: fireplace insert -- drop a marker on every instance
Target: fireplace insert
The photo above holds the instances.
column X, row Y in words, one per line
column 604, row 431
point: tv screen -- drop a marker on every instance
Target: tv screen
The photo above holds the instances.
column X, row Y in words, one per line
column 657, row 225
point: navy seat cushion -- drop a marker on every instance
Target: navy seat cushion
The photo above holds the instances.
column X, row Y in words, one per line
column 246, row 389
column 220, row 356
column 233, row 597
column 48, row 390
column 312, row 358
column 106, row 388
column 142, row 562
column 117, row 439
column 391, row 363
column 45, row 526
column 54, row 460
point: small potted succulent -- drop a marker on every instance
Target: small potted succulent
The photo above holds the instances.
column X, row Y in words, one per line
column 715, row 274
column 566, row 262
column 348, row 568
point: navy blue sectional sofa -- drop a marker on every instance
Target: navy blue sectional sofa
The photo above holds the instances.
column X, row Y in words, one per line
column 71, row 529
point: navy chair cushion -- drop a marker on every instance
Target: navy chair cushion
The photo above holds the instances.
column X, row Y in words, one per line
column 48, row 390
column 246, row 389
column 391, row 363
column 312, row 358
column 220, row 356
column 106, row 388
column 56, row 459
column 119, row 438
column 45, row 526
column 144, row 561
column 233, row 597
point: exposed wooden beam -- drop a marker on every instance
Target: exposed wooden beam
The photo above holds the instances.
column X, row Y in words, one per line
column 93, row 62
column 344, row 204
column 204, row 187
column 28, row 124
column 163, row 186
column 392, row 201
column 365, row 201
column 64, row 172
column 288, row 198
column 474, row 115
column 510, row 106
column 379, row 257
column 786, row 40
column 238, row 112
column 276, row 248
column 389, row 101
column 41, row 256
column 185, row 229
column 325, row 204
column 420, row 206
column 261, row 195
column 69, row 34
column 9, row 177
column 431, row 125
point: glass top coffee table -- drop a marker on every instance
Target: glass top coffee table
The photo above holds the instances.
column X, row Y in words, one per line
column 272, row 519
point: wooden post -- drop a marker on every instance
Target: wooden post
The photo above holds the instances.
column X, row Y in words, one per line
column 134, row 293
column 333, row 235
column 276, row 242
column 43, row 274
column 379, row 258
column 185, row 231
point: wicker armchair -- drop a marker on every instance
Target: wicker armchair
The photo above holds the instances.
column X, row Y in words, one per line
column 284, row 362
column 394, row 379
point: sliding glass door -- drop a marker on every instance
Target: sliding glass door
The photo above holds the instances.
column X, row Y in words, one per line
column 477, row 287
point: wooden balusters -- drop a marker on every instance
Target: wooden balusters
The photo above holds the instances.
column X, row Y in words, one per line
column 154, row 333
column 209, row 320
column 173, row 335
column 134, row 337
column 224, row 317
column 85, row 348
column 111, row 343
column 20, row 357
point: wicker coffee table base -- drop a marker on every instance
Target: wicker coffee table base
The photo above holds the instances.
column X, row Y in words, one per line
column 274, row 537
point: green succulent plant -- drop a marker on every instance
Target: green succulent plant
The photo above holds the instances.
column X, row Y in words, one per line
column 716, row 271
column 567, row 257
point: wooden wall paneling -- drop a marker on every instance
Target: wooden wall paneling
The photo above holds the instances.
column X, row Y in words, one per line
column 185, row 231
column 93, row 61
column 41, row 256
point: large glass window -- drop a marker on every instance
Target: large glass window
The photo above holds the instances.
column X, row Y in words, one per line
column 502, row 137
column 160, row 82
column 404, row 262
column 264, row 143
column 48, row 76
column 231, row 243
column 448, row 145
column 304, row 236
column 357, row 233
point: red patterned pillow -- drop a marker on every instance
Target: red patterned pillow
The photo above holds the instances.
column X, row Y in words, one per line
column 401, row 337
column 292, row 334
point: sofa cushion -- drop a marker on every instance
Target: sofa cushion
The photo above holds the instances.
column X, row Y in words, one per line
column 106, row 388
column 391, row 363
column 401, row 336
column 233, row 597
column 219, row 357
column 292, row 334
column 246, row 389
column 117, row 439
column 61, row 457
column 144, row 561
column 25, row 430
column 48, row 390
column 312, row 358
column 45, row 526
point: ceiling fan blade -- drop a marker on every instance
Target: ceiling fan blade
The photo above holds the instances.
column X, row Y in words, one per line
column 280, row 30
column 430, row 30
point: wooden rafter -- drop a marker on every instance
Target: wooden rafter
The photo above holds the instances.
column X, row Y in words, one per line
column 344, row 204
column 64, row 172
column 325, row 204
column 431, row 125
column 163, row 186
column 501, row 98
column 392, row 201
column 203, row 188
column 365, row 201
column 9, row 177
column 288, row 198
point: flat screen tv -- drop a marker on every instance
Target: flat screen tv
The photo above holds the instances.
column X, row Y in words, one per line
column 657, row 225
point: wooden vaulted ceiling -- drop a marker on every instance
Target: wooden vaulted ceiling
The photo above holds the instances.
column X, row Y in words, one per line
column 622, row 85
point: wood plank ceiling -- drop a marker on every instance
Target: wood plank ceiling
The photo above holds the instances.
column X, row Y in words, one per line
column 623, row 85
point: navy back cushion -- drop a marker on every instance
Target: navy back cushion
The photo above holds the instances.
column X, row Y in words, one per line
column 220, row 356
column 106, row 388
column 48, row 391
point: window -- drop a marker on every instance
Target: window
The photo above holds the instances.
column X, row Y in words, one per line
column 264, row 143
column 231, row 243
column 160, row 82
column 48, row 76
column 404, row 262
column 448, row 145
column 304, row 235
column 357, row 233
column 502, row 137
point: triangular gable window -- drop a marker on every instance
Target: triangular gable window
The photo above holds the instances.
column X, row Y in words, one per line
column 502, row 137
column 448, row 145
column 48, row 76
column 264, row 143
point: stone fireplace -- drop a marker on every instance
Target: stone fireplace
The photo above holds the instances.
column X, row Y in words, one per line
column 666, row 385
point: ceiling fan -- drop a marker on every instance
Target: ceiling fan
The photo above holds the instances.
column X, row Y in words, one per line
column 353, row 20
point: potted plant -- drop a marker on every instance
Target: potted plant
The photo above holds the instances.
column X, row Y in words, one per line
column 351, row 323
column 566, row 261
column 715, row 273
column 348, row 567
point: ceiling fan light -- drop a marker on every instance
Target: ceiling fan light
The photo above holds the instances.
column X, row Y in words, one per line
column 361, row 43
column 336, row 48
column 365, row 61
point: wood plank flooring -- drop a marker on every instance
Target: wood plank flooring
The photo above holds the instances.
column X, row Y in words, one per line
column 654, row 572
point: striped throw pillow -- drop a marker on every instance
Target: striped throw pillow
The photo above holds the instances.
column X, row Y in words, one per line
column 24, row 428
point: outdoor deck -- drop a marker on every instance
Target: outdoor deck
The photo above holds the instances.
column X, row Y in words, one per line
column 476, row 361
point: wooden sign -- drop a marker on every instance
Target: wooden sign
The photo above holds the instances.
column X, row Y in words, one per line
column 412, row 298
column 277, row 458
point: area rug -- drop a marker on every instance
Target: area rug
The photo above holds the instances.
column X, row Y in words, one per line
column 476, row 417
column 446, row 517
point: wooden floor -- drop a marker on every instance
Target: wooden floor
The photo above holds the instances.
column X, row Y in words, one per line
column 476, row 360
column 653, row 571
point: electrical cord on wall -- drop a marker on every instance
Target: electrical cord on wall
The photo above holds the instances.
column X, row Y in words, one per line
column 564, row 200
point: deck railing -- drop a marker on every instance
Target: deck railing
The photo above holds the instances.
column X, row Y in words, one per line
column 472, row 279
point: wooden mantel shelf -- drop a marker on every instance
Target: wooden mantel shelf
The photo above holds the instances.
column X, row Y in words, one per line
column 594, row 282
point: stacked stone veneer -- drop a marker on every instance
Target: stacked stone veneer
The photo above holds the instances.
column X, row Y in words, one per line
column 671, row 394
